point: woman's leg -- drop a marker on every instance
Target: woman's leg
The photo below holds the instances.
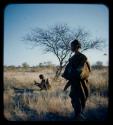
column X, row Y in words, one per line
column 84, row 85
column 82, row 98
column 75, row 101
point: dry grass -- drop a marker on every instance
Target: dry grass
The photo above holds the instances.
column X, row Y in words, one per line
column 28, row 103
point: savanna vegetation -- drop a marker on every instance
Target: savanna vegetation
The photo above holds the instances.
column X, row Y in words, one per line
column 24, row 102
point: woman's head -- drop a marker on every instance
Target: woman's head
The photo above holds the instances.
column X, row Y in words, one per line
column 75, row 45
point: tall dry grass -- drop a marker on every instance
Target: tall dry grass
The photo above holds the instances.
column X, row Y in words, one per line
column 23, row 101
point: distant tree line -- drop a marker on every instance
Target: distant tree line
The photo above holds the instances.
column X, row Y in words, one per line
column 25, row 66
column 98, row 65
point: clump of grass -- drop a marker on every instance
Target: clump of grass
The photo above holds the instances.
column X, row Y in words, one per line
column 98, row 82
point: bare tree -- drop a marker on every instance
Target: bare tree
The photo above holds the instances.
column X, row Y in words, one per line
column 56, row 39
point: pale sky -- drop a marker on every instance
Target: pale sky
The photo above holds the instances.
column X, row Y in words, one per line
column 19, row 19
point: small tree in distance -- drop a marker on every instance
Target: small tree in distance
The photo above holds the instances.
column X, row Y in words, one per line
column 56, row 40
column 25, row 65
column 99, row 64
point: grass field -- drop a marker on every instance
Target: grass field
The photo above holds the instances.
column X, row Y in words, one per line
column 24, row 102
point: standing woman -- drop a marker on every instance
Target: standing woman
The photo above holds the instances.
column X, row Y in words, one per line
column 79, row 90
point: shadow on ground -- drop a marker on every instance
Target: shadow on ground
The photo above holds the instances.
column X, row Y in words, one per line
column 99, row 113
column 24, row 90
